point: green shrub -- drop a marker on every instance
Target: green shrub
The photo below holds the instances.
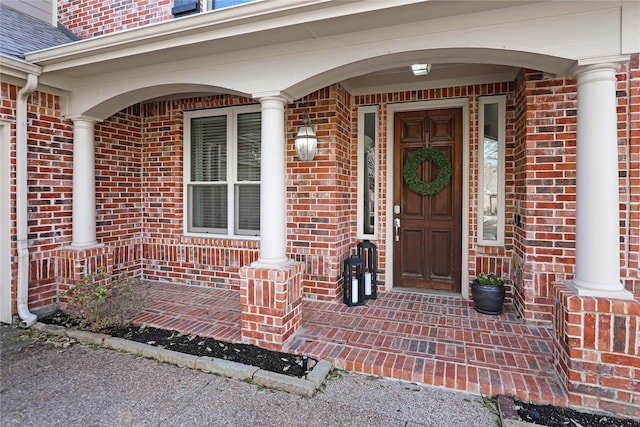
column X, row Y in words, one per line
column 103, row 301
column 489, row 279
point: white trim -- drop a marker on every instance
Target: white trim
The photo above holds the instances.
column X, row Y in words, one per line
column 231, row 114
column 5, row 222
column 430, row 105
column 501, row 100
column 361, row 173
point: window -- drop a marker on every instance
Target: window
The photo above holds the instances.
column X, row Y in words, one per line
column 491, row 170
column 367, row 172
column 222, row 171
column 219, row 4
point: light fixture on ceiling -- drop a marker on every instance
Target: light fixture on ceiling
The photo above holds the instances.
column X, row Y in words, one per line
column 421, row 69
column 306, row 141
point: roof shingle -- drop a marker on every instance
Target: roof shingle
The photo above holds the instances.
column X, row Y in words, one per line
column 21, row 33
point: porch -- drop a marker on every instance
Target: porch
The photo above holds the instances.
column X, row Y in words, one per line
column 422, row 338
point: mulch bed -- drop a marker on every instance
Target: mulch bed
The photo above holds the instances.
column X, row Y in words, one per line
column 282, row 363
column 554, row 416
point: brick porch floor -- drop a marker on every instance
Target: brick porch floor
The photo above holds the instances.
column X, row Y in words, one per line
column 436, row 340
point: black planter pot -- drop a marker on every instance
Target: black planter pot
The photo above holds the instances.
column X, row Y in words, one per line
column 487, row 299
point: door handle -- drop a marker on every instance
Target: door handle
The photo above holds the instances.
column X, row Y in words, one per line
column 396, row 227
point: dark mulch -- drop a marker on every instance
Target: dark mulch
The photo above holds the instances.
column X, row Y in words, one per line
column 554, row 416
column 283, row 363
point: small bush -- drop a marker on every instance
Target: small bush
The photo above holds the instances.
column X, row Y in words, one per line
column 103, row 301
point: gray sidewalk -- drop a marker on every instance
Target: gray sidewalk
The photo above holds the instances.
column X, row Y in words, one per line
column 51, row 381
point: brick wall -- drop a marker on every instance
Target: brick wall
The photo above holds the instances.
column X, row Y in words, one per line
column 597, row 351
column 629, row 150
column 321, row 193
column 88, row 19
column 49, row 156
column 119, row 196
column 545, row 190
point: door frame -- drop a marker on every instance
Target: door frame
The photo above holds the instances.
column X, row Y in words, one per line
column 437, row 104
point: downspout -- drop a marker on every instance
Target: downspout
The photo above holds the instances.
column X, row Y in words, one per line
column 27, row 317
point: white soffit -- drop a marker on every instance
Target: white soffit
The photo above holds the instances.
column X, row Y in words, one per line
column 441, row 75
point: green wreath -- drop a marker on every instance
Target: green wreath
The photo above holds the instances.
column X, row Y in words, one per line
column 409, row 172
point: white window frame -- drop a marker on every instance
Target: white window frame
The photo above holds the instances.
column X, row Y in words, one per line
column 501, row 100
column 209, row 3
column 362, row 171
column 232, row 115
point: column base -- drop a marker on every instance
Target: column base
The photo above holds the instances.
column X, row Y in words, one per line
column 273, row 264
column 84, row 246
column 271, row 301
column 584, row 289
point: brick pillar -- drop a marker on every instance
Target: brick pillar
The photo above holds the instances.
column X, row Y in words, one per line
column 271, row 301
column 74, row 264
column 596, row 345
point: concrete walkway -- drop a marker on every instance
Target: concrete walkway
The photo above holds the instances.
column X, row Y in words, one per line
column 51, row 381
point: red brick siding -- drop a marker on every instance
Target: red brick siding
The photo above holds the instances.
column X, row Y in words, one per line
column 629, row 141
column 597, row 351
column 119, row 196
column 545, row 181
column 50, row 171
column 321, row 194
column 88, row 19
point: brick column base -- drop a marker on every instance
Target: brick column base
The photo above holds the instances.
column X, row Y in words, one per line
column 271, row 301
column 596, row 344
column 74, row 264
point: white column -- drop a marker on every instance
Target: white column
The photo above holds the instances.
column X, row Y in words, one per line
column 597, row 199
column 84, row 184
column 273, row 216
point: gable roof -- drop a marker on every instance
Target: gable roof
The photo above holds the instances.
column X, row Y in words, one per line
column 21, row 33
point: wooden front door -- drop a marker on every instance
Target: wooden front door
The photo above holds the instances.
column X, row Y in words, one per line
column 427, row 251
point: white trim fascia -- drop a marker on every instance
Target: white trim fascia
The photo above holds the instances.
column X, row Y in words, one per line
column 430, row 105
column 15, row 67
column 206, row 26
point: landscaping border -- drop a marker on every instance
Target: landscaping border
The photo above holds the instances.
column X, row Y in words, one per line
column 306, row 386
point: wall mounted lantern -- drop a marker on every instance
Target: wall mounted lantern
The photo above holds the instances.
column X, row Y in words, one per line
column 306, row 141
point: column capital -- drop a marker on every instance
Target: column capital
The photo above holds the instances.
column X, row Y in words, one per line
column 595, row 67
column 275, row 95
column 79, row 118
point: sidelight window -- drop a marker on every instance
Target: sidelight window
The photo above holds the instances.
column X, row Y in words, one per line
column 491, row 165
column 367, row 172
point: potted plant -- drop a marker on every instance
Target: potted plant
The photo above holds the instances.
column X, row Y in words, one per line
column 488, row 293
